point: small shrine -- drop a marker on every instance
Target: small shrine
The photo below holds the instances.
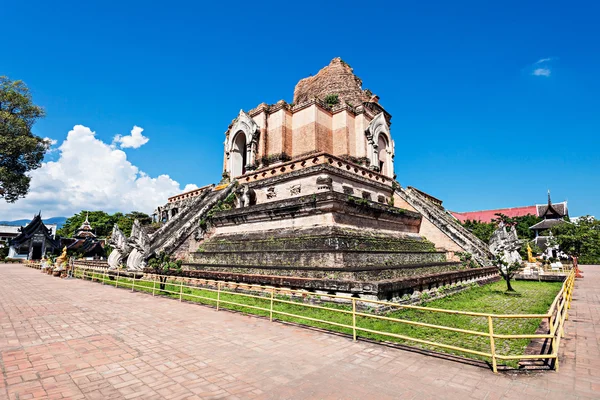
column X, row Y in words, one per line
column 552, row 213
column 85, row 242
column 34, row 241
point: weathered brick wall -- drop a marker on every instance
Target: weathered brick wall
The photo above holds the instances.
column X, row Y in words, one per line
column 304, row 131
column 340, row 134
column 275, row 133
column 336, row 78
column 440, row 239
column 401, row 203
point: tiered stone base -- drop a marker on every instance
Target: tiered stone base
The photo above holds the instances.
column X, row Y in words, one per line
column 331, row 260
column 387, row 289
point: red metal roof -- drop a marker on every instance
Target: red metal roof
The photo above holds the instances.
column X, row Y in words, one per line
column 489, row 215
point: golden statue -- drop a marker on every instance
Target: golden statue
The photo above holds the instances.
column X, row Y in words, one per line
column 62, row 259
column 530, row 257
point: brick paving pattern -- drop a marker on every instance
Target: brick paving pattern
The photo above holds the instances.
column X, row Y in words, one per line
column 80, row 340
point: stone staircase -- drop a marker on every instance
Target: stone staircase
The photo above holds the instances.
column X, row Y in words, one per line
column 448, row 224
column 182, row 225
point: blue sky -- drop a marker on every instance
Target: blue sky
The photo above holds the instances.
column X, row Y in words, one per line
column 473, row 124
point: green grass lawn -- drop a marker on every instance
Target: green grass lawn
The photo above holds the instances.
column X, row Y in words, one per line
column 534, row 298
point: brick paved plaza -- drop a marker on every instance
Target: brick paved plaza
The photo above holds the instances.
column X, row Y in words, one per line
column 75, row 339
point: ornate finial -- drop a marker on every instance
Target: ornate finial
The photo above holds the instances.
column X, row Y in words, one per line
column 549, row 202
column 87, row 214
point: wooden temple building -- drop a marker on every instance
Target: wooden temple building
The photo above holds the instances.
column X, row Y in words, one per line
column 34, row 241
column 85, row 242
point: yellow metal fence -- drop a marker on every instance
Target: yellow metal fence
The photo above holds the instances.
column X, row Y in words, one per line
column 556, row 315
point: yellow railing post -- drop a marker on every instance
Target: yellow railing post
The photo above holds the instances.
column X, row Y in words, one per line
column 117, row 283
column 271, row 312
column 554, row 347
column 153, row 284
column 354, row 319
column 133, row 282
column 180, row 291
column 103, row 276
column 492, row 344
column 218, row 294
column 561, row 323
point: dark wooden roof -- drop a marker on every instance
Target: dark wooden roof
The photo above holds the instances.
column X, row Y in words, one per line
column 546, row 224
column 35, row 226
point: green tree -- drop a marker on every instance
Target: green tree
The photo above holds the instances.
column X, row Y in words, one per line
column 506, row 270
column 125, row 221
column 102, row 223
column 522, row 226
column 580, row 239
column 20, row 150
column 483, row 230
column 161, row 264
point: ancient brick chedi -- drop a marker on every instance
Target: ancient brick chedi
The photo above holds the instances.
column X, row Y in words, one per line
column 337, row 78
column 330, row 114
column 309, row 199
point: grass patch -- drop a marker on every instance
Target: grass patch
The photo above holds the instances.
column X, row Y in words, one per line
column 535, row 298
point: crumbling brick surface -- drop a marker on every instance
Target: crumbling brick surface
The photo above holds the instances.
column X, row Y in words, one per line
column 336, row 78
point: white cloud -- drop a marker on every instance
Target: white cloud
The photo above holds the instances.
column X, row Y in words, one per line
column 542, row 67
column 542, row 72
column 135, row 140
column 90, row 174
column 190, row 187
column 49, row 141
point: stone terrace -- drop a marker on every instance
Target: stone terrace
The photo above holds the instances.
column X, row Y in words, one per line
column 76, row 339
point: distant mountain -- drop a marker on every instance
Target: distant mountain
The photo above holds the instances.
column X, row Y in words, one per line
column 59, row 221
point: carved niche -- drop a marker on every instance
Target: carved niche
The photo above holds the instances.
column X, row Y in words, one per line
column 324, row 182
column 271, row 192
column 295, row 190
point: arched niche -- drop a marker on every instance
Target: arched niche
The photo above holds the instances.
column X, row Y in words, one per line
column 241, row 145
column 380, row 146
column 238, row 154
column 383, row 157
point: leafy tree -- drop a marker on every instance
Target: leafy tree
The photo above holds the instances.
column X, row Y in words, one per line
column 522, row 226
column 483, row 230
column 580, row 239
column 506, row 270
column 102, row 222
column 161, row 264
column 3, row 253
column 125, row 221
column 20, row 150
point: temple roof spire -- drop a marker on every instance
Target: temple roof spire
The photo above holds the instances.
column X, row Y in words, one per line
column 85, row 230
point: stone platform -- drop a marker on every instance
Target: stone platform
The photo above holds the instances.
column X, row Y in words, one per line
column 330, row 242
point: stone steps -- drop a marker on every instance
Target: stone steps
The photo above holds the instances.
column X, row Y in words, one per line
column 447, row 224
